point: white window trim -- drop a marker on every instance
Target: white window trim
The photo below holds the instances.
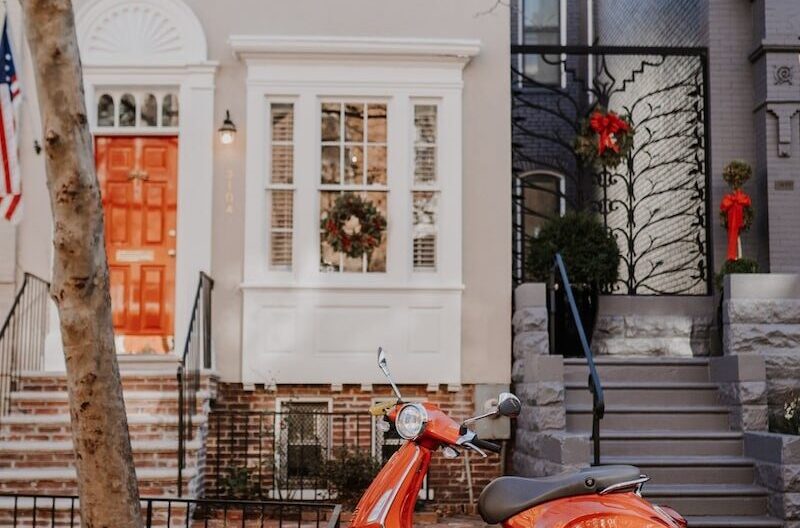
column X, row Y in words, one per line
column 288, row 315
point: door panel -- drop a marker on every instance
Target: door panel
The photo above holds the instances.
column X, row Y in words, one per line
column 138, row 182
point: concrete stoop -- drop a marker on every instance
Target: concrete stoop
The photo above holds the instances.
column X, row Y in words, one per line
column 666, row 416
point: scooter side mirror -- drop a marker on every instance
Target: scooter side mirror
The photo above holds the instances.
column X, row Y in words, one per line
column 508, row 405
column 384, row 366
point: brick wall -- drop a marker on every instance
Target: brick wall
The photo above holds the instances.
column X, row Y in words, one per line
column 229, row 439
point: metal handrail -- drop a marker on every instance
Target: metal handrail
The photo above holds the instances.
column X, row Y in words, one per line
column 196, row 357
column 22, row 335
column 595, row 387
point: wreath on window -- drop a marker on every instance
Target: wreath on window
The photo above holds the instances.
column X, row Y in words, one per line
column 353, row 225
column 605, row 139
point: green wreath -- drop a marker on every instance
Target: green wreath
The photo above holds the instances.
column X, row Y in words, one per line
column 353, row 225
column 605, row 139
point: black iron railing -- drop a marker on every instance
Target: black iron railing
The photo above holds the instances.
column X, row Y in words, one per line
column 595, row 387
column 18, row 511
column 22, row 335
column 656, row 203
column 196, row 357
column 284, row 455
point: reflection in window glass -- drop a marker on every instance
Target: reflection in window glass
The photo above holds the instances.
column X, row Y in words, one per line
column 425, row 144
column 542, row 196
column 105, row 111
column 127, row 111
column 424, row 215
column 169, row 111
column 281, row 179
column 149, row 112
column 542, row 25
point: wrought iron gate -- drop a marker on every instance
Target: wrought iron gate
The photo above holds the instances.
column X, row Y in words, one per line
column 656, row 202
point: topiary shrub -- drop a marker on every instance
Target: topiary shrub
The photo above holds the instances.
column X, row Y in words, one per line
column 589, row 250
column 742, row 265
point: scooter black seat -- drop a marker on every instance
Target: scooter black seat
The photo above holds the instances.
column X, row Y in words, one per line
column 505, row 497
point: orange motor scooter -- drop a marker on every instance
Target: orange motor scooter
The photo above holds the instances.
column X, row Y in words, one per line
column 597, row 497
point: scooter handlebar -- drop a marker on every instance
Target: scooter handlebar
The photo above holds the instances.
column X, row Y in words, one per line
column 486, row 445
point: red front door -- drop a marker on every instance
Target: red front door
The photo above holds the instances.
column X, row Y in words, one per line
column 138, row 183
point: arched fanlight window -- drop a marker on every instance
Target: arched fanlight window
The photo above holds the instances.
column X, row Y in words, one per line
column 127, row 111
column 105, row 111
column 543, row 197
column 169, row 111
column 148, row 116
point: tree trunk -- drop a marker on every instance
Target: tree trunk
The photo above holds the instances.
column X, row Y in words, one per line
column 107, row 485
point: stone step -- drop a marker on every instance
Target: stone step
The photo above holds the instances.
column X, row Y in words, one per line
column 710, row 499
column 146, row 380
column 146, row 453
column 635, row 417
column 690, row 469
column 136, row 402
column 62, row 481
column 640, row 369
column 728, row 521
column 56, row 427
column 656, row 442
column 645, row 393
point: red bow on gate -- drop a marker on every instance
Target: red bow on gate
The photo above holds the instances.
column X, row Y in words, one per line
column 606, row 126
column 732, row 206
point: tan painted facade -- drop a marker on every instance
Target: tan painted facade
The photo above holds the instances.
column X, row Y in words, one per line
column 486, row 172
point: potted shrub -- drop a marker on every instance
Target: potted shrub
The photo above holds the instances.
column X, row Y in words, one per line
column 592, row 259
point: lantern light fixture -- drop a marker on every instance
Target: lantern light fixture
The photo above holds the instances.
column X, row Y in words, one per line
column 227, row 132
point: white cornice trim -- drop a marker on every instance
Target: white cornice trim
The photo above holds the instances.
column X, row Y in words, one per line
column 248, row 46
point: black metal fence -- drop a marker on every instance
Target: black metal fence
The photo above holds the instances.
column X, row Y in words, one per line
column 22, row 335
column 40, row 511
column 289, row 455
column 656, row 202
column 196, row 357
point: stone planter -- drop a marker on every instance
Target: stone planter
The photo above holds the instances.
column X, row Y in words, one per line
column 777, row 463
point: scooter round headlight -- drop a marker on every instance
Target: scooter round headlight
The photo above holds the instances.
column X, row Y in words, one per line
column 411, row 421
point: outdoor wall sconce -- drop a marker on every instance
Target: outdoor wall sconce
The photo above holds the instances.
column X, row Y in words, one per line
column 227, row 132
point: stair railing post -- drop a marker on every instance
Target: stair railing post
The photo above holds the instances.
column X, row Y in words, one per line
column 180, row 431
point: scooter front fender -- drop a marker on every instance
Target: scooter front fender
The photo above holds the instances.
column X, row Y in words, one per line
column 615, row 510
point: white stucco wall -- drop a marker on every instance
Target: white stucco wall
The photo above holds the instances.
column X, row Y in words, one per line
column 486, row 305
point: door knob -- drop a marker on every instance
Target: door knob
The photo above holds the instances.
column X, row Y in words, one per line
column 171, row 252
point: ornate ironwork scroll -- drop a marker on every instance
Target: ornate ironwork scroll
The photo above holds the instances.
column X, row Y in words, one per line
column 656, row 201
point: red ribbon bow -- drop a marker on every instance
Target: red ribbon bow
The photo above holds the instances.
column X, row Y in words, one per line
column 732, row 206
column 606, row 126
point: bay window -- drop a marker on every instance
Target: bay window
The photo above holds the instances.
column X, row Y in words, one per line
column 379, row 119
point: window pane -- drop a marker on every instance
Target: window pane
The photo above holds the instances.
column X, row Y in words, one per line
column 330, row 165
column 330, row 121
column 425, row 123
column 169, row 111
column 542, row 197
column 281, row 223
column 282, row 163
column 377, row 260
column 105, row 111
column 282, row 121
column 376, row 123
column 424, row 215
column 424, row 165
column 329, row 260
column 354, row 122
column 149, row 113
column 282, row 209
column 127, row 111
column 540, row 70
column 281, row 250
column 376, row 165
column 354, row 165
column 541, row 14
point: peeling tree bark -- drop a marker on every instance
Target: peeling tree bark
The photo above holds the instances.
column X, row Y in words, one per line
column 109, row 496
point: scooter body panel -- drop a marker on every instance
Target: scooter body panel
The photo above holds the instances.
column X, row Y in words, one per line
column 389, row 501
column 615, row 510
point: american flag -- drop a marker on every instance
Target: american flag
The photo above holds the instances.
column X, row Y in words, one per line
column 10, row 185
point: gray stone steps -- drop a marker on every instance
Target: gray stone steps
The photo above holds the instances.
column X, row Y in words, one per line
column 656, row 442
column 710, row 499
column 641, row 369
column 690, row 469
column 636, row 417
column 645, row 393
